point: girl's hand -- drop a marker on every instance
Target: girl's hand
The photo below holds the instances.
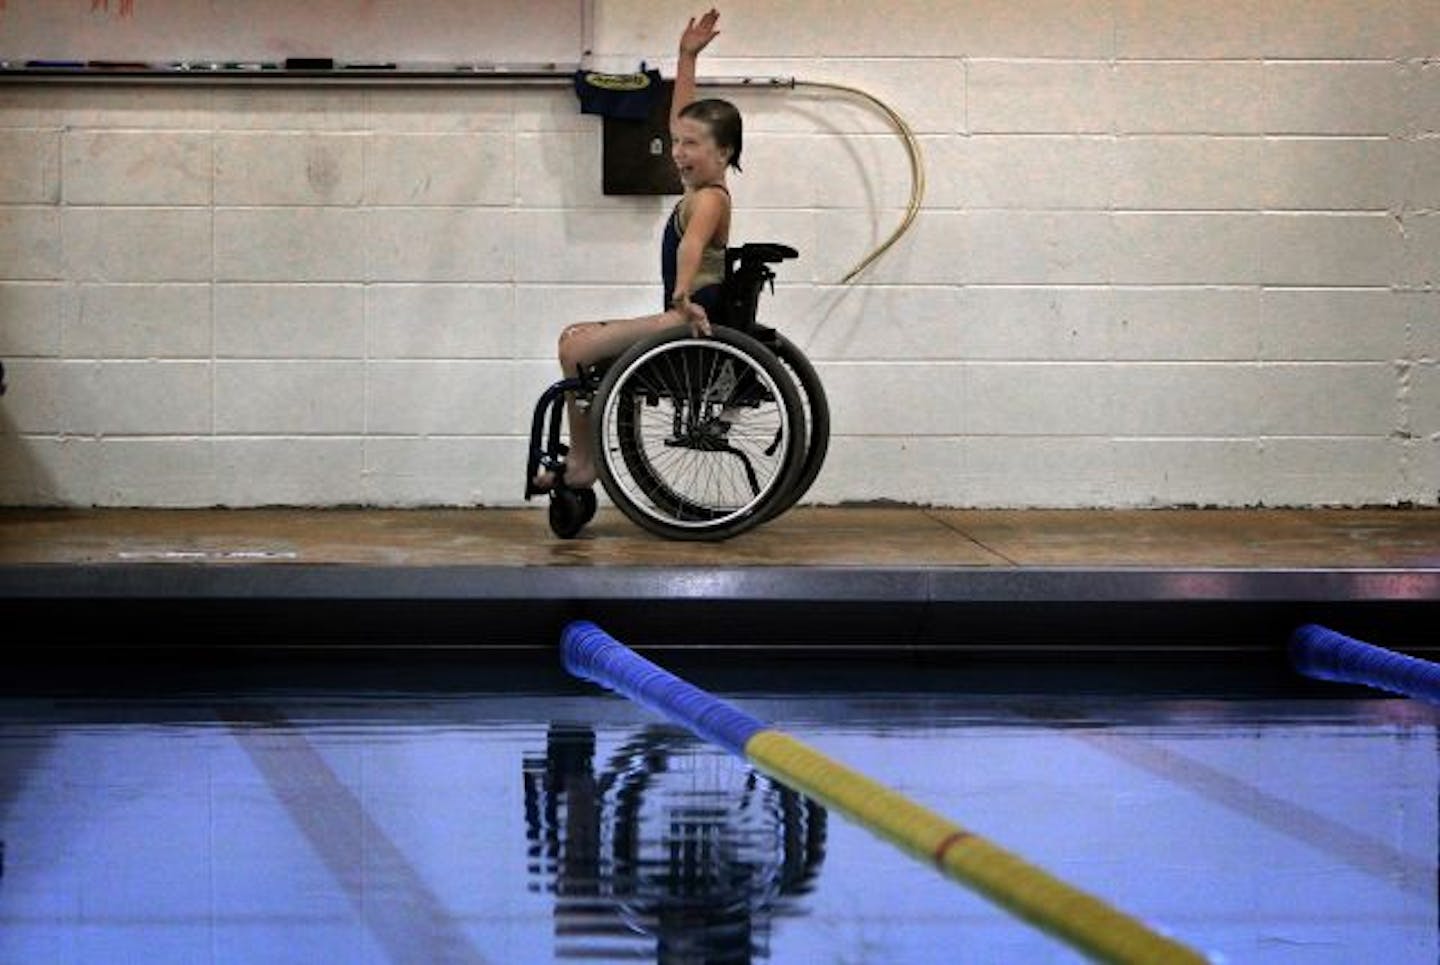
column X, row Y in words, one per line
column 697, row 36
column 699, row 321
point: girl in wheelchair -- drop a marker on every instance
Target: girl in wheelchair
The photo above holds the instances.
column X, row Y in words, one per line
column 699, row 422
column 707, row 138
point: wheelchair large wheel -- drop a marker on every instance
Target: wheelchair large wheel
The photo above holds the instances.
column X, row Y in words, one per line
column 817, row 419
column 698, row 438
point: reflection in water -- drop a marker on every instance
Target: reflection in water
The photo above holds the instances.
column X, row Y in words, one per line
column 674, row 842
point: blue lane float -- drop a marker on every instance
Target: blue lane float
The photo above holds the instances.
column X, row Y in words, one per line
column 1085, row 922
column 592, row 654
column 1325, row 654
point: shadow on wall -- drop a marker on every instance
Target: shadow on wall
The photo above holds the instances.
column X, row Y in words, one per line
column 23, row 481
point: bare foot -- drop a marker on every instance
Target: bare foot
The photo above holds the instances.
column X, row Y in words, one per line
column 577, row 476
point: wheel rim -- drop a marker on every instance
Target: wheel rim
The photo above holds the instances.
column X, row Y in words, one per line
column 695, row 434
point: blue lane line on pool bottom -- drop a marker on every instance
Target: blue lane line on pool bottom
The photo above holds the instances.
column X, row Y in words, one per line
column 1325, row 654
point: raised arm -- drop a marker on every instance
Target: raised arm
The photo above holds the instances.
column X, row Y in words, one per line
column 697, row 37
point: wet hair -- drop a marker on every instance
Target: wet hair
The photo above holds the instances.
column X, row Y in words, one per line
column 723, row 119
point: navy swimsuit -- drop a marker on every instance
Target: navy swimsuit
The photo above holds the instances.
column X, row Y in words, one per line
column 707, row 296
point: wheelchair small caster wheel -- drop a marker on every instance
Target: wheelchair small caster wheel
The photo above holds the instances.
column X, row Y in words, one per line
column 570, row 510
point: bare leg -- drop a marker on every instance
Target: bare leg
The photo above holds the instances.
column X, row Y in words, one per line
column 584, row 344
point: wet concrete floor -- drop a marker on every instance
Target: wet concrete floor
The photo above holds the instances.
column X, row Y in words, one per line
column 812, row 537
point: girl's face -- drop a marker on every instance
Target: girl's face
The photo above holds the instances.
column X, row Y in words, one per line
column 698, row 158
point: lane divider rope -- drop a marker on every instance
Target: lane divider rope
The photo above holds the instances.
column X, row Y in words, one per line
column 1326, row 654
column 1084, row 922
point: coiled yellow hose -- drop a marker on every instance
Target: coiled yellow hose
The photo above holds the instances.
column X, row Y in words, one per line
column 917, row 169
column 912, row 148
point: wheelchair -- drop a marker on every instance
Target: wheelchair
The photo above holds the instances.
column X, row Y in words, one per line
column 694, row 438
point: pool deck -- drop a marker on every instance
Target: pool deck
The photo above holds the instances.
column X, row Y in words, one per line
column 853, row 577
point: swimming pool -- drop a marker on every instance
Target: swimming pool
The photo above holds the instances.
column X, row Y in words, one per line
column 470, row 813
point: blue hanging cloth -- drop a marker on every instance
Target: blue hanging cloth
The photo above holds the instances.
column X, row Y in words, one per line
column 626, row 96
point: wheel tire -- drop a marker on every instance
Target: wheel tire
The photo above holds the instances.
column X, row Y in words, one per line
column 817, row 420
column 588, row 504
column 568, row 513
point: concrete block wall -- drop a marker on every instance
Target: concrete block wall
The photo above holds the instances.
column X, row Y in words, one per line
column 1171, row 253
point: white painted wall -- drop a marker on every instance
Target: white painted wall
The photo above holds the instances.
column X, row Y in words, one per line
column 1172, row 252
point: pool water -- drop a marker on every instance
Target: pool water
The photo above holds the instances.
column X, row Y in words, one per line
column 516, row 823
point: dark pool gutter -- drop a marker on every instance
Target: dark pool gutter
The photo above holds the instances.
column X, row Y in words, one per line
column 814, row 610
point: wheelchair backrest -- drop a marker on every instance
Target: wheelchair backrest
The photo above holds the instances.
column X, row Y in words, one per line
column 747, row 272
